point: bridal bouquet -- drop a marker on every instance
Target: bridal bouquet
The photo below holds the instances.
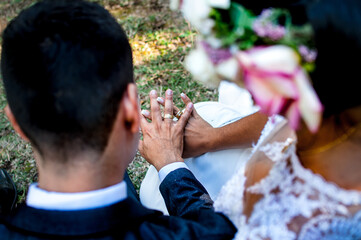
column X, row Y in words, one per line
column 265, row 53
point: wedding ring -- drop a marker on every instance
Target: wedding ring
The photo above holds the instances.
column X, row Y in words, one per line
column 179, row 113
column 168, row 116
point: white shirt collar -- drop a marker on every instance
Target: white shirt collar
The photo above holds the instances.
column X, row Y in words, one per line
column 42, row 199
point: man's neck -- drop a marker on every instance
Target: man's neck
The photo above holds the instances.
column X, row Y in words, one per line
column 78, row 175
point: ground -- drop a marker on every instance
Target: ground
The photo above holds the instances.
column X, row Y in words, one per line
column 160, row 39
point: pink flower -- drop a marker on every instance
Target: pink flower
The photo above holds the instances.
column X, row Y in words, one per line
column 264, row 27
column 216, row 55
column 307, row 54
column 269, row 30
column 279, row 85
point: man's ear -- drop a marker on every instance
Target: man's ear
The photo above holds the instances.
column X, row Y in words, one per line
column 130, row 108
column 14, row 123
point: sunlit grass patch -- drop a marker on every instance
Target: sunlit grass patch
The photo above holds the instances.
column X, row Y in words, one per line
column 148, row 46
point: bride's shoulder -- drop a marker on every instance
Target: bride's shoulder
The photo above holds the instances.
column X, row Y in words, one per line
column 275, row 139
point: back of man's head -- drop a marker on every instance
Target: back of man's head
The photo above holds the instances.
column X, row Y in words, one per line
column 65, row 66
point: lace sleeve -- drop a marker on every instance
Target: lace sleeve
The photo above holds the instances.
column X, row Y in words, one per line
column 230, row 198
column 295, row 203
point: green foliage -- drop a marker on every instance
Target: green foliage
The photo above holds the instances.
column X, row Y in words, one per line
column 234, row 26
column 241, row 18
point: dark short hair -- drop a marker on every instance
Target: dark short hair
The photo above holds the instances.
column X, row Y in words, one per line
column 65, row 66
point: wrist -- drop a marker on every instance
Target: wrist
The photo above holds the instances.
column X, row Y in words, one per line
column 164, row 171
column 162, row 164
column 212, row 139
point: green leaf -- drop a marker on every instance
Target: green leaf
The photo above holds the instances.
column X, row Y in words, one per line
column 240, row 17
column 234, row 26
column 309, row 67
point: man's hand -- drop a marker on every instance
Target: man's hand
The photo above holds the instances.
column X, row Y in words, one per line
column 162, row 142
column 198, row 134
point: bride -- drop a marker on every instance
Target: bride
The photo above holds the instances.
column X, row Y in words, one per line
column 302, row 180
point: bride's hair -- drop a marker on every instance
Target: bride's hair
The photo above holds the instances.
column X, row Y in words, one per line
column 336, row 25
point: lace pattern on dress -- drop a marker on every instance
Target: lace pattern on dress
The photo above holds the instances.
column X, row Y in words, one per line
column 290, row 192
column 332, row 227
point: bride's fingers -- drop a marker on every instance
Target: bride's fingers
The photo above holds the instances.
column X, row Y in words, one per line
column 146, row 114
column 143, row 123
column 154, row 107
column 168, row 106
column 187, row 113
column 161, row 101
column 186, row 101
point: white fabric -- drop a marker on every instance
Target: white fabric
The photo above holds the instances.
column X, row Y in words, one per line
column 42, row 199
column 295, row 203
column 164, row 171
column 237, row 98
column 213, row 169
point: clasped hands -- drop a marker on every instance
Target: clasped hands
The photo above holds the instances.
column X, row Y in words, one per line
column 162, row 142
column 166, row 141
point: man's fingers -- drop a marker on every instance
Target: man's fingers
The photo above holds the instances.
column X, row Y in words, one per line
column 154, row 107
column 186, row 115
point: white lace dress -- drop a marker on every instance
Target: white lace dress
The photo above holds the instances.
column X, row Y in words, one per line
column 295, row 203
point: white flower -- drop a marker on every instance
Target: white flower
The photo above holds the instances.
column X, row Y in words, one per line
column 197, row 13
column 228, row 69
column 223, row 4
column 202, row 69
column 213, row 41
column 174, row 4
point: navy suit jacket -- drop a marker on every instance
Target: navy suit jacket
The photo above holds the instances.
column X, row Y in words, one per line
column 192, row 217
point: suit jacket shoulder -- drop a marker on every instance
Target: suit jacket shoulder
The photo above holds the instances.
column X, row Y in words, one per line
column 127, row 219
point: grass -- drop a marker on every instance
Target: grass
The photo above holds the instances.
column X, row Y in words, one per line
column 160, row 40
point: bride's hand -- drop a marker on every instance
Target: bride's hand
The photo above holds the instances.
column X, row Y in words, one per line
column 162, row 142
column 198, row 134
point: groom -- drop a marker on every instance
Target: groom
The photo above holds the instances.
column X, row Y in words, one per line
column 68, row 76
